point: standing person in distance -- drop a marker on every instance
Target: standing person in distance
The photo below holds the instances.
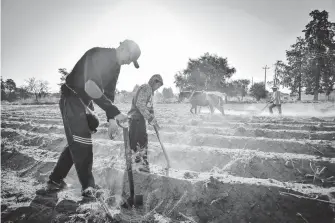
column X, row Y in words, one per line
column 275, row 100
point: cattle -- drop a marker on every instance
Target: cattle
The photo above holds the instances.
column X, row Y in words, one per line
column 184, row 94
column 212, row 99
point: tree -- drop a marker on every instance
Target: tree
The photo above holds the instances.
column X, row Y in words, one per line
column 328, row 70
column 258, row 91
column 208, row 72
column 242, row 86
column 319, row 35
column 236, row 88
column 11, row 88
column 298, row 67
column 167, row 93
column 311, row 59
column 3, row 90
column 328, row 74
column 8, row 89
column 10, row 85
column 63, row 73
column 293, row 75
column 181, row 82
column 230, row 89
column 43, row 87
column 158, row 97
column 37, row 87
column 22, row 92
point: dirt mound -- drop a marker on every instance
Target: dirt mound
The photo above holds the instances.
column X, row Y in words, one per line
column 321, row 174
column 12, row 159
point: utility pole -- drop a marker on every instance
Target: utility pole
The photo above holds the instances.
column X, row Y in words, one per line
column 252, row 81
column 275, row 76
column 265, row 68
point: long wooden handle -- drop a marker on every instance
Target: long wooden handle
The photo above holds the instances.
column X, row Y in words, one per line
column 128, row 162
column 265, row 107
column 164, row 151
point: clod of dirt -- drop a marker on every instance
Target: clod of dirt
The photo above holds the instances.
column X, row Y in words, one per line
column 171, row 121
column 221, row 198
column 111, row 201
column 288, row 164
column 320, row 125
column 67, row 206
column 314, row 119
column 194, row 122
column 3, row 207
column 259, row 132
column 241, row 129
column 313, row 128
column 5, row 134
column 188, row 175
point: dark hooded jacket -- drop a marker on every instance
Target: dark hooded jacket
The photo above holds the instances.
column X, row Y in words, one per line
column 99, row 65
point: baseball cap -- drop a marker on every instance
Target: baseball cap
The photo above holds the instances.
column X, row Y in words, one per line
column 134, row 50
column 157, row 77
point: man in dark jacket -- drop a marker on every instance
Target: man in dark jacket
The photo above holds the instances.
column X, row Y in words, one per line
column 94, row 77
column 142, row 110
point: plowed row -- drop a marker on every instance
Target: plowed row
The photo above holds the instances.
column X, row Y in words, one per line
column 224, row 169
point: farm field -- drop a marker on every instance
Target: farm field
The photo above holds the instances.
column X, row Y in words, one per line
column 242, row 167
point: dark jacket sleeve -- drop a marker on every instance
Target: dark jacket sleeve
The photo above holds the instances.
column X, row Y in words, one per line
column 106, row 104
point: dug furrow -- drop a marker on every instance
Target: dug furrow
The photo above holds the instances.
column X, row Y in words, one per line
column 240, row 162
column 226, row 124
column 314, row 147
column 239, row 131
column 201, row 194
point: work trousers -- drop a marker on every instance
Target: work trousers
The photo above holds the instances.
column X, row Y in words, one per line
column 138, row 138
column 274, row 105
column 79, row 150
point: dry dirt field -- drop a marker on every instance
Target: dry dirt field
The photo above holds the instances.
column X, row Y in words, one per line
column 243, row 167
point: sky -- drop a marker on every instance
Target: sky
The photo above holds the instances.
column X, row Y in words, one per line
column 40, row 36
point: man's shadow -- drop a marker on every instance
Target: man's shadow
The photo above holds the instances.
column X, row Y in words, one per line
column 43, row 208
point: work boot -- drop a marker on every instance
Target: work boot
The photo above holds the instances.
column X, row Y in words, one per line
column 88, row 192
column 97, row 187
column 142, row 166
column 53, row 185
column 92, row 192
column 138, row 158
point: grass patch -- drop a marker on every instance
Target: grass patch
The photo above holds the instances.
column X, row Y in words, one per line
column 32, row 101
